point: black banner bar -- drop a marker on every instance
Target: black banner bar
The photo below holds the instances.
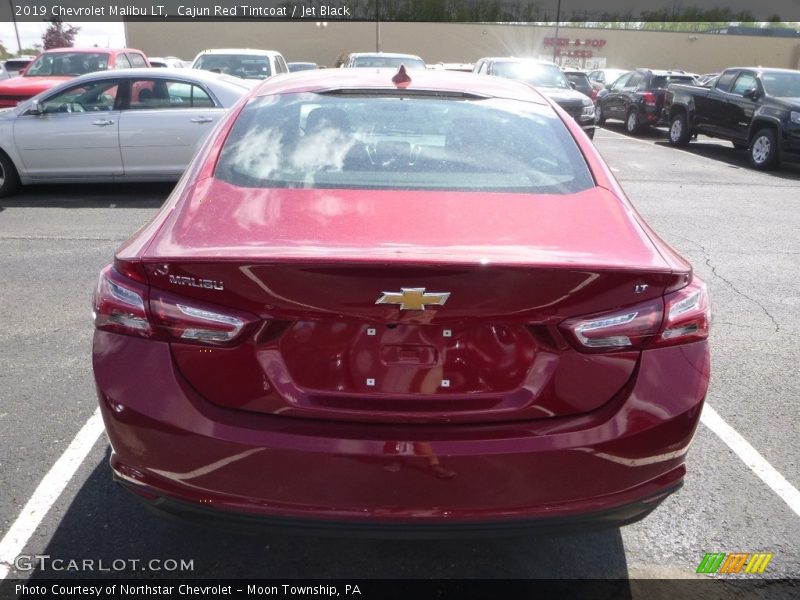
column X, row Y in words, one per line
column 505, row 11
column 597, row 589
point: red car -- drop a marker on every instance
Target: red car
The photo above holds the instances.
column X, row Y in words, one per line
column 60, row 64
column 417, row 303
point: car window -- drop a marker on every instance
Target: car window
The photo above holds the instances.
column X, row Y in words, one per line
column 621, row 82
column 725, row 80
column 745, row 81
column 246, row 66
column 68, row 63
column 579, row 79
column 122, row 62
column 783, row 84
column 149, row 94
column 282, row 64
column 98, row 96
column 388, row 62
column 137, row 60
column 401, row 142
column 635, row 80
column 662, row 81
column 16, row 65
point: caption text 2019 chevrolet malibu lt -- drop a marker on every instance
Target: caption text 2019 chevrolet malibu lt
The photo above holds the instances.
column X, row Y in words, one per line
column 407, row 302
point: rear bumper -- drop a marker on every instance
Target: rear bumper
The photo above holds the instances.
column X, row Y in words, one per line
column 183, row 454
column 179, row 510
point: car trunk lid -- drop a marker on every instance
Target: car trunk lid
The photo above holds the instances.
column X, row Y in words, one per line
column 312, row 267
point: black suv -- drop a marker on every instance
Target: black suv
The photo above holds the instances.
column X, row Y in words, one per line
column 637, row 98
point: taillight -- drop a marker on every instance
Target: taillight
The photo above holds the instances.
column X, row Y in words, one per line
column 628, row 329
column 687, row 315
column 594, row 95
column 198, row 323
column 677, row 318
column 119, row 304
column 649, row 98
column 124, row 305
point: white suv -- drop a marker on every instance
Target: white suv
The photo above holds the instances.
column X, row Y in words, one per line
column 242, row 62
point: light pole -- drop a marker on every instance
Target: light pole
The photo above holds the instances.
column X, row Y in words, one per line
column 377, row 25
column 555, row 41
column 16, row 30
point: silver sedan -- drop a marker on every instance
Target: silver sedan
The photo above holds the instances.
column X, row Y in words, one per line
column 131, row 125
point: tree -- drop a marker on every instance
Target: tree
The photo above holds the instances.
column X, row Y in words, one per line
column 59, row 35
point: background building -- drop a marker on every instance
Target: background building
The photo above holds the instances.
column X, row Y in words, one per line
column 456, row 42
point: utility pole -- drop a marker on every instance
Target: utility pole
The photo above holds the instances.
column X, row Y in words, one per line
column 558, row 19
column 377, row 25
column 16, row 29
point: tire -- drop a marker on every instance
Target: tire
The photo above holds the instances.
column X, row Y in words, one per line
column 9, row 179
column 599, row 117
column 763, row 150
column 632, row 122
column 679, row 134
column 739, row 146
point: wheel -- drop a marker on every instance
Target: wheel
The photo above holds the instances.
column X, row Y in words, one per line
column 590, row 133
column 763, row 151
column 739, row 146
column 598, row 114
column 632, row 123
column 9, row 179
column 679, row 133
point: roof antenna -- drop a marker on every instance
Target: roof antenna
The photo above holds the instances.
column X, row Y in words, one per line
column 401, row 78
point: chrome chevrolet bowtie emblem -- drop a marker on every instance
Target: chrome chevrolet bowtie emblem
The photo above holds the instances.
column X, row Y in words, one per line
column 413, row 298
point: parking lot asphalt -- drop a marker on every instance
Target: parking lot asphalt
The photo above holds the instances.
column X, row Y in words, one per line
column 738, row 227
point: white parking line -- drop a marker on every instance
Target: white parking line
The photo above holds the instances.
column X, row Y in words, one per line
column 752, row 458
column 47, row 493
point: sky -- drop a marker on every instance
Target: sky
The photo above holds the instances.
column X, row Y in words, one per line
column 102, row 34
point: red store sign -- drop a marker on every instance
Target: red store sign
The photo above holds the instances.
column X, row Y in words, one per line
column 577, row 42
column 574, row 47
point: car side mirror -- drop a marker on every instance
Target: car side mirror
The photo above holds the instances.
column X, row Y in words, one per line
column 572, row 84
column 752, row 93
column 35, row 108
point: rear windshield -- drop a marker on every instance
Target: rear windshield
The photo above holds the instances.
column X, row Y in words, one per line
column 68, row 63
column 402, row 142
column 540, row 75
column 246, row 66
column 393, row 62
column 662, row 81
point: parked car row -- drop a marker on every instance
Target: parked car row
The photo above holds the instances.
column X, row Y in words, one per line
column 122, row 123
column 757, row 109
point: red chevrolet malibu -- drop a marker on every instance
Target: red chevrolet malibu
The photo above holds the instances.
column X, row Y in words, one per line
column 406, row 302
